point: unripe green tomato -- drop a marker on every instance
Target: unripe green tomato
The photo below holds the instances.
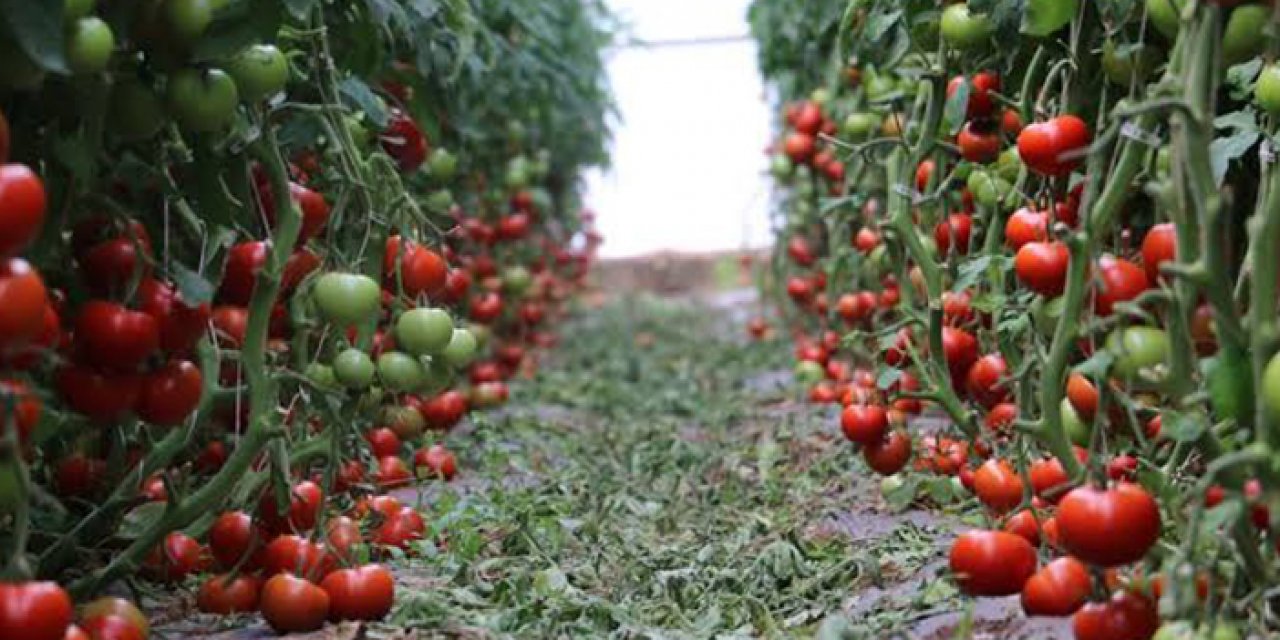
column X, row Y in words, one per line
column 891, row 484
column 482, row 334
column 1245, row 35
column 820, row 96
column 1165, row 16
column 442, row 165
column 260, row 71
column 516, row 280
column 354, row 369
column 808, row 372
column 136, row 111
column 1137, row 349
column 347, row 298
column 1267, row 92
column 962, row 171
column 440, row 200
column 90, row 42
column 400, row 372
column 73, row 10
column 963, row 29
column 187, row 20
column 424, row 331
column 461, row 350
column 1077, row 431
column 1008, row 165
column 860, row 126
column 516, row 131
column 359, row 133
column 877, row 86
column 202, row 101
column 780, row 166
column 1231, row 385
column 321, row 375
column 1127, row 64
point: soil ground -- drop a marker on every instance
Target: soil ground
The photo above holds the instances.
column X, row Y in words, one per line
column 660, row 478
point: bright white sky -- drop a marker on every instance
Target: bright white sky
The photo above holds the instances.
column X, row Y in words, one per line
column 688, row 160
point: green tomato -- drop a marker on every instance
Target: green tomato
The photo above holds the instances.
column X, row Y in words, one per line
column 1231, row 385
column 860, row 126
column 461, row 350
column 1267, row 92
column 442, row 165
column 260, row 71
column 1271, row 388
column 820, row 96
column 440, row 200
column 202, row 102
column 1077, row 431
column 518, row 173
column 1128, row 64
column 424, row 331
column 963, row 29
column 516, row 280
column 1164, row 160
column 1137, row 349
column 354, row 369
column 1245, row 35
column 878, row 86
column 1009, row 165
column 780, row 166
column 321, row 375
column 406, row 422
column 400, row 372
column 891, row 484
column 73, row 10
column 808, row 372
column 17, row 70
column 347, row 298
column 1165, row 16
column 136, row 112
column 89, row 45
column 359, row 133
column 187, row 20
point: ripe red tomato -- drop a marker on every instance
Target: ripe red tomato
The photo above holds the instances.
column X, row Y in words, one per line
column 360, row 593
column 108, row 267
column 315, row 211
column 305, row 500
column 1126, row 616
column 991, row 563
column 486, row 308
column 231, row 324
column 1058, row 589
column 513, row 227
column 171, row 394
column 799, row 147
column 1042, row 267
column 78, row 476
column 422, row 271
column 808, row 118
column 864, row 424
column 986, row 381
column 1122, row 467
column 1054, row 147
column 112, row 627
column 961, row 350
column 1022, row 524
column 392, row 472
column 1119, row 281
column 1026, row 226
column 176, row 558
column 22, row 206
column 924, row 174
column 445, row 410
column 23, row 300
column 866, row 240
column 224, row 595
column 979, row 142
column 1158, row 247
column 34, row 610
column 997, row 485
column 114, row 338
column 294, row 555
column 404, row 141
column 889, row 456
column 981, row 103
column 456, row 285
column 1083, row 396
column 292, row 605
column 232, row 536
column 26, row 408
column 400, row 529
column 101, row 397
column 954, row 232
column 800, row 251
column 343, row 534
column 383, row 442
column 1011, row 122
column 1109, row 527
column 435, row 462
column 1049, row 479
column 240, row 274
column 181, row 325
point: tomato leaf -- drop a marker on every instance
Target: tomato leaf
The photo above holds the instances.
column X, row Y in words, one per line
column 901, row 496
column 957, row 106
column 1182, row 427
column 195, row 289
column 362, row 97
column 1044, row 17
column 888, row 377
column 300, row 9
column 1097, row 365
column 1220, row 516
column 37, row 26
column 141, row 518
column 1225, row 150
column 242, row 25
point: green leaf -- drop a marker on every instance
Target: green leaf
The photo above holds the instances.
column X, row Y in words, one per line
column 37, row 26
column 1225, row 150
column 362, row 97
column 1182, row 427
column 1044, row 17
column 888, row 377
column 141, row 518
column 300, row 9
column 958, row 105
column 1097, row 365
column 195, row 289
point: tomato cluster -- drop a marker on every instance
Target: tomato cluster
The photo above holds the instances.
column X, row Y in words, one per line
column 1027, row 242
column 255, row 265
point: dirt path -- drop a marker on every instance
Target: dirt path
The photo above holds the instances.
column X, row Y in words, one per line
column 658, row 481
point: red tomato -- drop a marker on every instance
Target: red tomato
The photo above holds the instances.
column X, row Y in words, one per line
column 23, row 300
column 78, row 476
column 101, row 397
column 112, row 627
column 1049, row 479
column 225, row 595
column 1011, row 122
column 181, row 325
column 1026, row 226
column 998, row 485
column 864, row 424
column 445, row 410
column 315, row 211
column 981, row 103
column 1109, row 527
column 305, row 500
column 293, row 605
column 22, row 206
column 1042, row 267
column 808, row 118
column 991, row 563
column 957, row 308
column 486, row 308
column 244, row 262
column 404, row 141
column 924, row 174
column 295, row 555
column 1119, row 281
column 176, row 558
column 866, row 240
column 890, row 455
column 383, row 442
column 799, row 147
column 301, row 263
column 26, row 408
column 986, row 381
column 108, row 267
column 1122, row 467
column 1126, row 616
column 1023, row 524
column 170, row 395
column 513, row 227
column 800, row 251
column 979, row 142
column 421, row 270
column 435, row 462
column 76, row 632
column 961, row 350
column 231, row 537
column 34, row 610
column 115, row 338
column 231, row 325
column 392, row 473
column 954, row 232
column 360, row 593
column 1058, row 589
column 400, row 529
column 1083, row 396
column 456, row 285
column 1158, row 247
column 1054, row 147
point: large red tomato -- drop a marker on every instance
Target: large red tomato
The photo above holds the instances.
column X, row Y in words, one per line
column 1119, row 281
column 232, row 536
column 170, row 394
column 998, row 485
column 225, row 595
column 890, row 455
column 954, row 232
column 421, row 270
column 1026, row 226
column 244, row 262
column 22, row 205
column 1059, row 589
column 1042, row 267
column 1109, row 527
column 114, row 338
column 293, row 605
column 305, row 500
column 864, row 424
column 1054, row 147
column 101, row 397
column 23, row 300
column 360, row 593
column 986, row 381
column 34, row 610
column 981, row 103
column 181, row 325
column 992, row 563
column 1126, row 616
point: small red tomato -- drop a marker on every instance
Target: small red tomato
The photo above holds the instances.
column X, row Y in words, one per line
column 435, row 462
column 224, row 595
column 1054, row 147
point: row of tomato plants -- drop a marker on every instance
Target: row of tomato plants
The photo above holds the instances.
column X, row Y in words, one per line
column 1054, row 225
column 245, row 288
